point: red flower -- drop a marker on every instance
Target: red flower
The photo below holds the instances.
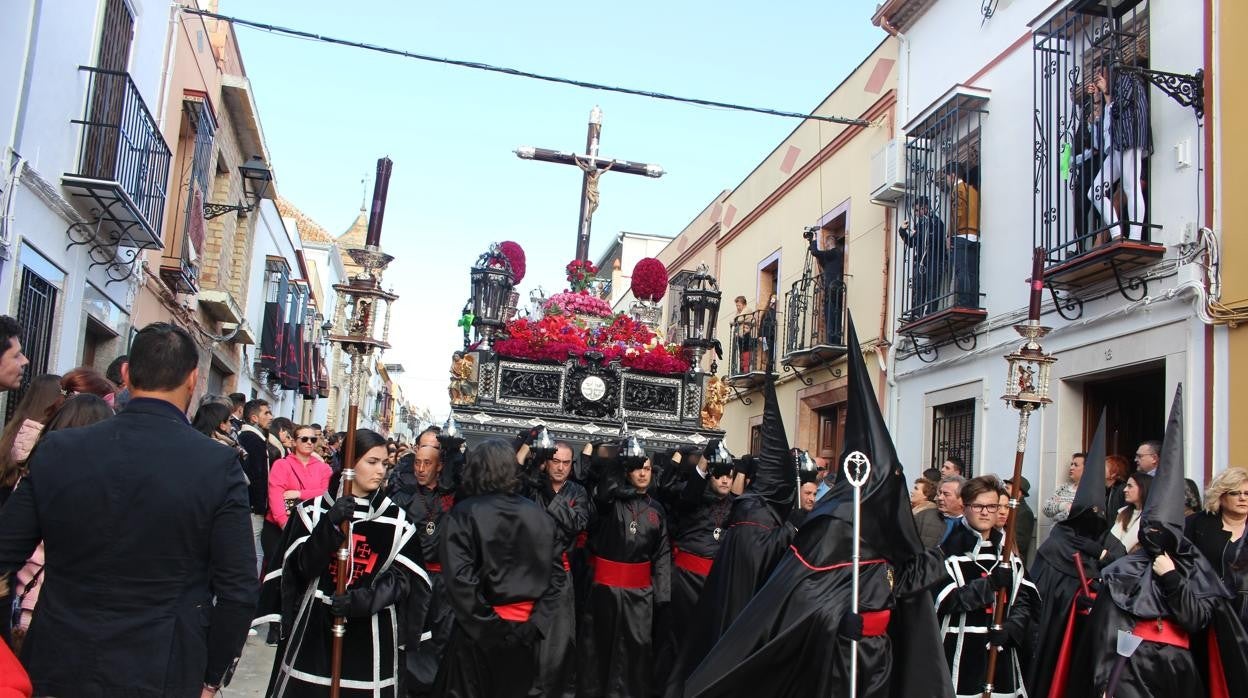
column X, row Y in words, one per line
column 515, row 256
column 649, row 280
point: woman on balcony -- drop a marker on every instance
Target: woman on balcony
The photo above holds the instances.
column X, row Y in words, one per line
column 1126, row 139
column 744, row 322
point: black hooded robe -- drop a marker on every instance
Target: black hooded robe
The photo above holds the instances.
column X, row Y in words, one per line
column 785, row 642
column 503, row 567
column 1058, row 623
column 632, row 561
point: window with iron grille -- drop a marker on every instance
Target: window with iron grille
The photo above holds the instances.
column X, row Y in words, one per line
column 1092, row 128
column 953, row 432
column 36, row 312
column 941, row 226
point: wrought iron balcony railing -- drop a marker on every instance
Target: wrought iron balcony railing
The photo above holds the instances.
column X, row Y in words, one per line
column 123, row 165
column 754, row 350
column 814, row 324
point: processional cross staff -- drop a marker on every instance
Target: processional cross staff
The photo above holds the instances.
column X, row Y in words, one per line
column 1027, row 390
column 857, row 471
column 592, row 167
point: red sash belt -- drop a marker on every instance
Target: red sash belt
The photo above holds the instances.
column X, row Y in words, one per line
column 692, row 563
column 517, row 612
column 581, row 539
column 434, row 567
column 1163, row 631
column 875, row 623
column 566, row 567
column 622, row 575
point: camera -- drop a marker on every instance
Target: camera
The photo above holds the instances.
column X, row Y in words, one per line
column 809, row 233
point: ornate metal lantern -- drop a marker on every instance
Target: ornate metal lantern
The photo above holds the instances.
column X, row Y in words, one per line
column 492, row 282
column 632, row 453
column 699, row 311
column 1027, row 380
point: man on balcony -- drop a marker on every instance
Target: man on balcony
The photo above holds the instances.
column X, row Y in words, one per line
column 927, row 256
column 963, row 240
column 832, row 270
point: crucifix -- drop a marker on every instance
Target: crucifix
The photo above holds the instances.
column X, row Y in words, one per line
column 592, row 168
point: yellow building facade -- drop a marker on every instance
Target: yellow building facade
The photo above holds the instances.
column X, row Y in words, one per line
column 818, row 178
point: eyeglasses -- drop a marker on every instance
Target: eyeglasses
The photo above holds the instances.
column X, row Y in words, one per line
column 1143, row 455
column 985, row 508
column 822, row 469
column 309, row 439
column 1237, row 493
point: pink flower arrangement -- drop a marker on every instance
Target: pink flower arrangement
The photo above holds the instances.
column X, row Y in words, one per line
column 578, row 304
column 649, row 280
column 515, row 257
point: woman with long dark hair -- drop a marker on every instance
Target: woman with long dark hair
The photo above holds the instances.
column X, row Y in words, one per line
column 1123, row 535
column 212, row 419
column 23, row 428
column 503, row 572
column 387, row 579
column 78, row 411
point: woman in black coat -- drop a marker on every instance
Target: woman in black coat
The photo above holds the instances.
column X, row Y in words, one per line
column 1218, row 532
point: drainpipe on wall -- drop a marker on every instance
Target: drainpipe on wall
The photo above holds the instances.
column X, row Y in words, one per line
column 166, row 75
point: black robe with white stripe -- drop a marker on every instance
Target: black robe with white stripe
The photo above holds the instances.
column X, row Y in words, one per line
column 964, row 609
column 387, row 571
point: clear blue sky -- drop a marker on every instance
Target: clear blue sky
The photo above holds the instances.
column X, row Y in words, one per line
column 329, row 112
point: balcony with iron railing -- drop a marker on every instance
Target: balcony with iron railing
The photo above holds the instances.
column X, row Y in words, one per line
column 753, row 354
column 122, row 172
column 814, row 323
column 1093, row 184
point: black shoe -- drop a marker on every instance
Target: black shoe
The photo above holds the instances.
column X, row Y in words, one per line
column 274, row 635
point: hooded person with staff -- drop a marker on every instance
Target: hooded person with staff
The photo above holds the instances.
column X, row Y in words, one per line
column 1162, row 625
column 806, row 616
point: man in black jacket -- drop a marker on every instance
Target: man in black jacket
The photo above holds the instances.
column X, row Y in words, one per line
column 151, row 577
column 253, row 437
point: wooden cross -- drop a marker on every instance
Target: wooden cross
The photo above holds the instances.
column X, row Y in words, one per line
column 593, row 167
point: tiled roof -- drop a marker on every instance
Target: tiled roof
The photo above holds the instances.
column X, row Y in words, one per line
column 357, row 233
column 309, row 230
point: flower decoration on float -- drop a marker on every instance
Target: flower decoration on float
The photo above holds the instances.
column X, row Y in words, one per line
column 515, row 256
column 649, row 280
column 579, row 303
column 556, row 337
column 580, row 273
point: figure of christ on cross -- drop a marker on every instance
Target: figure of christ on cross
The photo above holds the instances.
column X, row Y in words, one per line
column 593, row 168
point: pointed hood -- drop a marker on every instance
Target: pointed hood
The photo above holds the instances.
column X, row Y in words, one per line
column 888, row 527
column 1087, row 511
column 1130, row 580
column 774, row 477
column 1165, row 494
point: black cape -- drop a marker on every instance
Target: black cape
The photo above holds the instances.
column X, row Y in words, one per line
column 497, row 549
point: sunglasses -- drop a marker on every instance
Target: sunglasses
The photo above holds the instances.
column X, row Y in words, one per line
column 309, row 439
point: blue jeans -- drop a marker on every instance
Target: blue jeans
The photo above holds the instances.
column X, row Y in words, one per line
column 965, row 273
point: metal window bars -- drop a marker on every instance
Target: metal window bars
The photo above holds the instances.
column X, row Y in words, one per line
column 1092, row 129
column 941, row 231
column 953, row 432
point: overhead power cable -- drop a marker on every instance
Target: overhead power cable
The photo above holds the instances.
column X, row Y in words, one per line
column 515, row 72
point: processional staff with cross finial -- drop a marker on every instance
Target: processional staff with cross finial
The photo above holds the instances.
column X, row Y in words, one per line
column 593, row 168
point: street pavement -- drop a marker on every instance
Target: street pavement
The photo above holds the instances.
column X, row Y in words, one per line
column 252, row 675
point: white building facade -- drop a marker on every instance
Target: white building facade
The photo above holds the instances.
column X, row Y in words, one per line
column 1003, row 97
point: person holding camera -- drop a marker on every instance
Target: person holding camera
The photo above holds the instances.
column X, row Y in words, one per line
column 832, row 270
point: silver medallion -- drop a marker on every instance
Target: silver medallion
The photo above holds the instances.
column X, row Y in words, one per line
column 715, row 533
column 429, row 528
column 632, row 527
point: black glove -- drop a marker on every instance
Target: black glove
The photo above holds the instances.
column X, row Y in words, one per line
column 999, row 638
column 340, row 604
column 1002, row 577
column 850, row 627
column 341, row 510
column 797, row 517
column 1157, row 539
column 524, row 634
column 1084, row 603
